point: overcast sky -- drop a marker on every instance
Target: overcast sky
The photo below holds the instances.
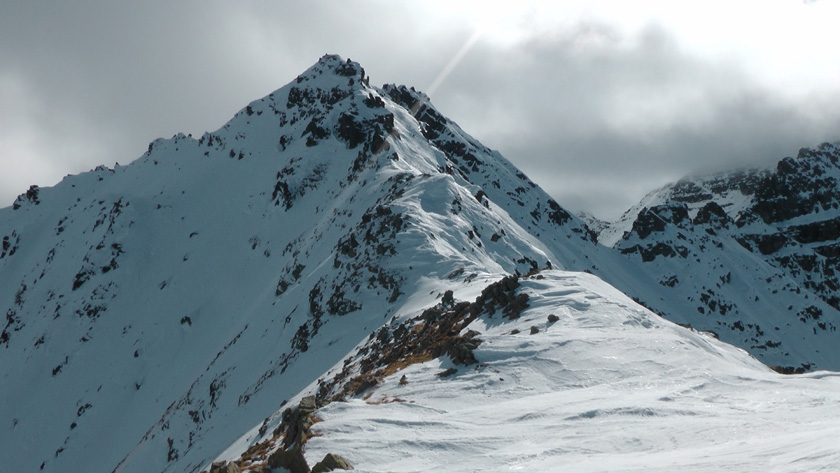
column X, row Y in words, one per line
column 599, row 102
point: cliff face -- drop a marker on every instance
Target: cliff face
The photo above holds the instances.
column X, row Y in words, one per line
column 750, row 255
column 212, row 278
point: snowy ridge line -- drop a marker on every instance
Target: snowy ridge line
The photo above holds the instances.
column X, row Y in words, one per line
column 437, row 332
column 583, row 378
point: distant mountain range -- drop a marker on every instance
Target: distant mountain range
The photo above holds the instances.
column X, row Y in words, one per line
column 751, row 255
column 338, row 247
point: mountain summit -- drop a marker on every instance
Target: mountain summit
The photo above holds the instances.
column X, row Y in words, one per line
column 330, row 238
column 190, row 287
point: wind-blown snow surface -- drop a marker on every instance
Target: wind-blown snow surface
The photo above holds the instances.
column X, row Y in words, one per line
column 607, row 387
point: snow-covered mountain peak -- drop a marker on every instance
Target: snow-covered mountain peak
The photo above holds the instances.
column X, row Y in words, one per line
column 181, row 299
column 332, row 64
column 212, row 276
column 762, row 246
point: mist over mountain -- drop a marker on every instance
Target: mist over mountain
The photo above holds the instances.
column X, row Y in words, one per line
column 339, row 252
column 751, row 255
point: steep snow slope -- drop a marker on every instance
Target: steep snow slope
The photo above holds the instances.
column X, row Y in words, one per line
column 607, row 386
column 750, row 255
column 173, row 302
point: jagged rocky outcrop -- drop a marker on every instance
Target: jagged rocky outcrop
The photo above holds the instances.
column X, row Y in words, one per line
column 284, row 448
column 749, row 255
column 439, row 332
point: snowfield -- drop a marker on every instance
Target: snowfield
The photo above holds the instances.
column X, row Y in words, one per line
column 607, row 387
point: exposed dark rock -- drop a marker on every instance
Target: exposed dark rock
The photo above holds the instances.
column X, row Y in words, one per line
column 281, row 191
column 448, row 299
column 374, row 102
column 447, row 373
column 402, row 95
column 291, row 460
column 304, row 98
column 338, row 304
column 830, row 251
column 656, row 218
column 797, row 186
column 294, row 430
column 804, row 368
column 224, row 467
column 557, row 214
column 31, row 196
column 315, row 131
column 689, row 192
column 371, row 132
column 670, row 281
column 349, row 69
column 712, row 214
column 438, row 331
column 650, row 252
column 826, row 230
column 350, row 131
column 460, row 349
column 769, row 244
column 331, row 462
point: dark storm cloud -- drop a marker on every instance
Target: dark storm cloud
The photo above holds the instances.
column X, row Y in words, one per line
column 98, row 80
column 92, row 82
column 595, row 116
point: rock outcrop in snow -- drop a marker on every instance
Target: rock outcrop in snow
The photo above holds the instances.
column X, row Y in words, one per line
column 603, row 385
column 751, row 255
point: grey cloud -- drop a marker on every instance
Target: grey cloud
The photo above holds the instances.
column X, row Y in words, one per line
column 600, row 122
column 102, row 79
column 595, row 117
